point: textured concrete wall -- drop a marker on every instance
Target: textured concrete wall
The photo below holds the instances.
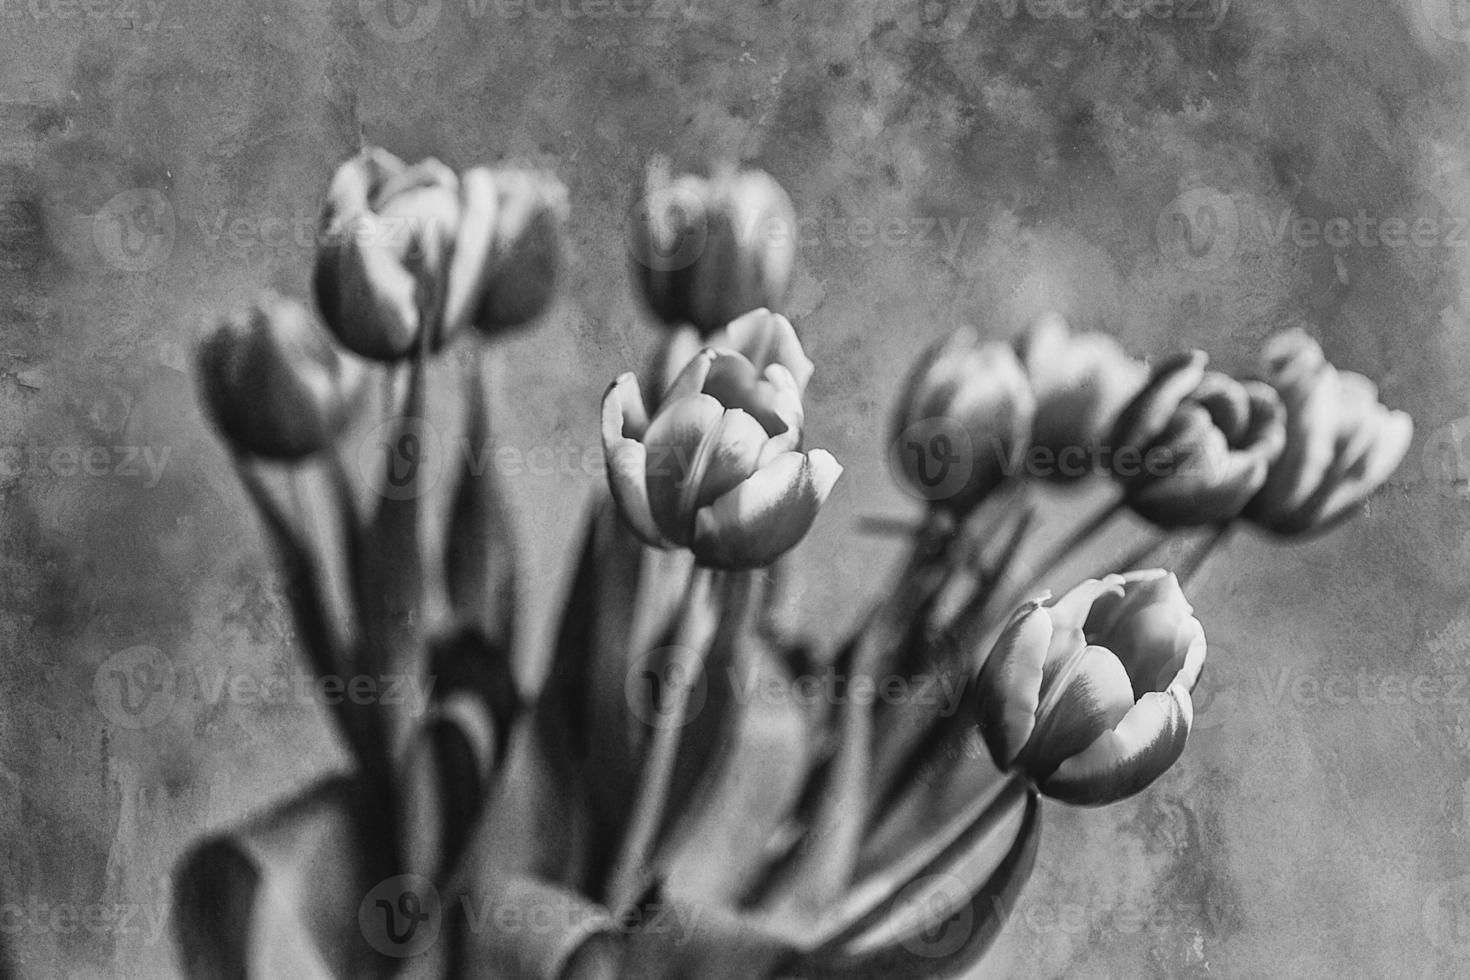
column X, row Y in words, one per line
column 154, row 160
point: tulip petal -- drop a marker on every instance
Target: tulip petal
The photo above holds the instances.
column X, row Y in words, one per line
column 764, row 517
column 690, row 380
column 624, row 420
column 1084, row 695
column 677, row 441
column 1010, row 682
column 767, row 338
column 1148, row 740
column 1070, row 612
column 1144, row 419
column 479, row 209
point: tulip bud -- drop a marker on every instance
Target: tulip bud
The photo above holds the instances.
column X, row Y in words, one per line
column 1195, row 445
column 1089, row 696
column 509, row 251
column 389, row 230
column 963, row 422
column 1081, row 383
column 273, row 384
column 1341, row 442
column 717, row 468
column 707, row 251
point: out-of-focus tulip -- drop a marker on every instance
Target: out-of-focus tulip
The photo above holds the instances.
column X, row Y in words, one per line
column 273, row 384
column 1089, row 696
column 414, row 248
column 763, row 338
column 1341, row 442
column 508, row 256
column 1081, row 383
column 717, row 468
column 388, row 233
column 707, row 251
column 963, row 422
column 1195, row 445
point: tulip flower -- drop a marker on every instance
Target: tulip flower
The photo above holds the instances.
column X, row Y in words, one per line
column 760, row 336
column 1081, row 383
column 274, row 385
column 1195, row 446
column 508, row 254
column 717, row 468
column 963, row 421
column 707, row 251
column 1089, row 696
column 1341, row 442
column 410, row 249
column 389, row 230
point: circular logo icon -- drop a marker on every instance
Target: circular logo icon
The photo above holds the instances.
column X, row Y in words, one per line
column 136, row 688
column 938, row 917
column 658, row 683
column 1445, row 460
column 401, row 21
column 134, row 231
column 934, row 21
column 1199, row 230
column 401, row 916
column 669, row 228
column 403, row 457
column 1450, row 19
column 933, row 458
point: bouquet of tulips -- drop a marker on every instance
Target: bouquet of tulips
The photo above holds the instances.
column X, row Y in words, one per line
column 647, row 812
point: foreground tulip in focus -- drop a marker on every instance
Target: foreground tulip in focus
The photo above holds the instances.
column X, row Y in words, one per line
column 638, row 815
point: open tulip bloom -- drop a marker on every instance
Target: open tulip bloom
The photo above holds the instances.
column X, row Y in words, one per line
column 640, row 814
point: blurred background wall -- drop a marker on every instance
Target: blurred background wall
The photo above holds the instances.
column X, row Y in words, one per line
column 980, row 162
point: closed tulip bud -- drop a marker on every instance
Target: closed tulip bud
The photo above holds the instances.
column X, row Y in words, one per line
column 389, row 230
column 707, row 251
column 1341, row 442
column 509, row 252
column 717, row 468
column 1195, row 446
column 1081, row 383
column 1089, row 696
column 963, row 422
column 274, row 385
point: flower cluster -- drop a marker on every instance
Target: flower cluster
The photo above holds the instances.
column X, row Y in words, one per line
column 640, row 786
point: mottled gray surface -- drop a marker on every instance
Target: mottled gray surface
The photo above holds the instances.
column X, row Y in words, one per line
column 1302, row 836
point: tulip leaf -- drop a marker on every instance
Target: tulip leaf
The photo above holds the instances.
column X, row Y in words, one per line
column 521, row 927
column 282, row 892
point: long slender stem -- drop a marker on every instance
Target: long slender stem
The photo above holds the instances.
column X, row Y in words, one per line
column 1197, row 560
column 871, row 898
column 1070, row 544
column 630, row 871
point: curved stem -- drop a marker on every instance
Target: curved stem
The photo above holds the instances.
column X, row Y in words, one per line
column 871, row 899
column 1084, row 533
